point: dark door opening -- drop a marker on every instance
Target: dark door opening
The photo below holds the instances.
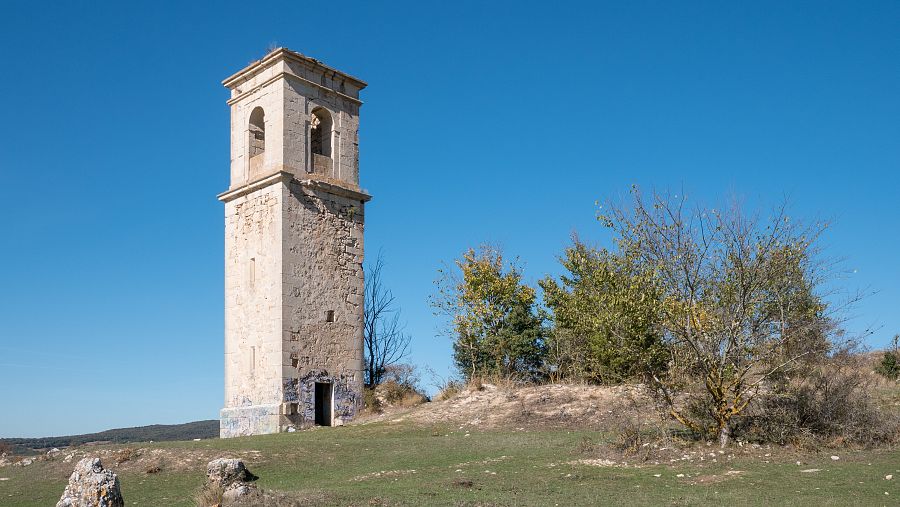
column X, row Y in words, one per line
column 323, row 404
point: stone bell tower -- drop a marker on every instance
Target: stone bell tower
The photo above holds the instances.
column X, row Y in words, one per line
column 293, row 248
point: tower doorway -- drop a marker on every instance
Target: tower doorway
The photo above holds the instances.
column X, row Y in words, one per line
column 323, row 403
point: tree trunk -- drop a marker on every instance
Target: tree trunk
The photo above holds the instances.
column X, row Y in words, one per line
column 724, row 435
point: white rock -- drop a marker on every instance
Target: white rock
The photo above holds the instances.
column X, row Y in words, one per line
column 232, row 476
column 835, row 458
column 91, row 485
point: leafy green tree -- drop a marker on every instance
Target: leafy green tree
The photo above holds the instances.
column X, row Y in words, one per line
column 495, row 324
column 607, row 315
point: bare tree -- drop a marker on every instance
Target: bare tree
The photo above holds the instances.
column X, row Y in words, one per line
column 386, row 342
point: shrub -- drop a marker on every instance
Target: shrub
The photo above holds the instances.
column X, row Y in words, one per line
column 126, row 455
column 392, row 391
column 398, row 388
column 833, row 403
column 889, row 367
column 371, row 401
column 209, row 496
column 450, row 390
column 586, row 446
column 412, row 399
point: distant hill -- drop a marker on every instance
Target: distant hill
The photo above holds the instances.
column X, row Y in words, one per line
column 155, row 432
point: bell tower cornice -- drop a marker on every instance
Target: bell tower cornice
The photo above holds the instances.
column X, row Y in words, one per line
column 332, row 187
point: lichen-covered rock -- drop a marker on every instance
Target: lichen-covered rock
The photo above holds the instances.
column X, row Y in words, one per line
column 224, row 472
column 237, row 491
column 91, row 485
column 230, row 478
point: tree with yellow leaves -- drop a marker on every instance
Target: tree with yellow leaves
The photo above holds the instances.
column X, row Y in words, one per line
column 740, row 299
column 494, row 322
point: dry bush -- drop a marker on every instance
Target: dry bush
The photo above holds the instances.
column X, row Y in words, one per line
column 392, row 391
column 412, row 399
column 126, row 455
column 463, row 483
column 262, row 498
column 209, row 496
column 643, row 439
column 212, row 496
column 371, row 401
column 400, row 388
column 450, row 390
column 586, row 446
column 5, row 449
column 403, row 374
column 629, row 439
column 832, row 404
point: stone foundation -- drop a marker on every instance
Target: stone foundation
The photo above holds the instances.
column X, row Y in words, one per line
column 253, row 420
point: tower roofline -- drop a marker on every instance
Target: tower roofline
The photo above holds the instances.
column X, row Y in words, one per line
column 287, row 54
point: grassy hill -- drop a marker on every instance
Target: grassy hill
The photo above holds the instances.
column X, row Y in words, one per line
column 545, row 445
column 154, row 432
column 402, row 463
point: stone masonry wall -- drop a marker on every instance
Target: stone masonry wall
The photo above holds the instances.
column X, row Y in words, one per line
column 299, row 101
column 323, row 240
column 271, row 100
column 253, row 275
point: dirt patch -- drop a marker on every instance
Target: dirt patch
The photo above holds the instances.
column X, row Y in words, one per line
column 533, row 407
column 463, row 483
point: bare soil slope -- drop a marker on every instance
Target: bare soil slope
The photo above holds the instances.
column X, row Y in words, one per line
column 559, row 405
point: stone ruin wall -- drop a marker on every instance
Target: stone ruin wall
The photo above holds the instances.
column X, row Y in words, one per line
column 323, row 255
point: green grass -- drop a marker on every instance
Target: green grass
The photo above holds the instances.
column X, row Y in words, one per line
column 338, row 466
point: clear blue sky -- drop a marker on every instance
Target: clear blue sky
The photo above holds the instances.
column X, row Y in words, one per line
column 501, row 123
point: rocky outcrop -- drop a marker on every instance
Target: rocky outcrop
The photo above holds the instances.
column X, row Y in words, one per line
column 224, row 472
column 231, row 477
column 91, row 485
